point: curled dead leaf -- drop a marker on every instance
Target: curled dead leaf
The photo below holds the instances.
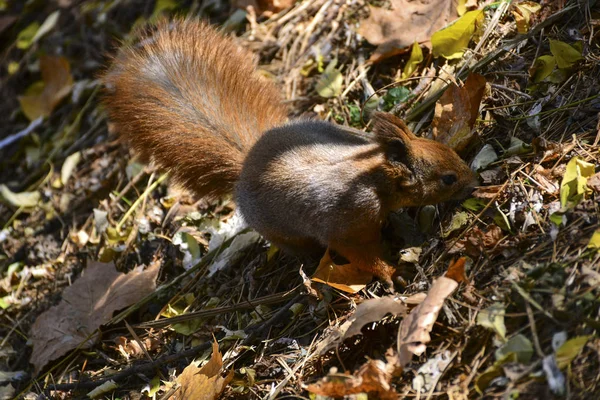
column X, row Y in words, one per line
column 413, row 334
column 347, row 277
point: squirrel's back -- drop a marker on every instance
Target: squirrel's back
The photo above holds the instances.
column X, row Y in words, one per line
column 189, row 98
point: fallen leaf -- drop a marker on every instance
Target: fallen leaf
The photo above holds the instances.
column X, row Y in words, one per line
column 594, row 242
column 25, row 37
column 429, row 373
column 85, row 306
column 452, row 41
column 330, row 82
column 413, row 334
column 542, row 68
column 106, row 387
column 40, row 100
column 569, row 350
column 206, row 382
column 458, row 220
column 346, row 277
column 373, row 310
column 493, row 318
column 518, row 345
column 593, row 182
column 416, row 58
column 574, row 182
column 22, row 199
column 69, row 166
column 407, row 21
column 456, row 112
column 264, row 6
column 477, row 242
column 566, row 55
column 373, row 377
column 486, row 156
column 47, row 26
column 522, row 14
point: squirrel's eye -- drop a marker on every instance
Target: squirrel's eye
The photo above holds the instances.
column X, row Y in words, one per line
column 449, row 179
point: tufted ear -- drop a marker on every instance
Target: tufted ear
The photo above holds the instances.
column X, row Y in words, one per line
column 393, row 133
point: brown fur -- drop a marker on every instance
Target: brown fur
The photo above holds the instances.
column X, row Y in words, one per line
column 188, row 98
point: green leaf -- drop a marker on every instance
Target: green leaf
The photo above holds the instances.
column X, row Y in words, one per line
column 459, row 220
column 493, row 318
column 556, row 218
column 565, row 54
column 569, row 350
column 416, row 57
column 518, row 345
column 452, row 41
column 22, row 199
column 25, row 37
column 573, row 185
column 330, row 83
column 395, row 96
column 595, row 241
column 542, row 68
column 474, row 204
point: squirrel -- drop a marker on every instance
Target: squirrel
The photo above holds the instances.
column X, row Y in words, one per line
column 189, row 99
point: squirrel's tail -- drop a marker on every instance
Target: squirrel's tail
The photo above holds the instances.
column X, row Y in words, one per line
column 189, row 99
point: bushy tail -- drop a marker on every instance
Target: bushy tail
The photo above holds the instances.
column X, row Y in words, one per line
column 189, row 99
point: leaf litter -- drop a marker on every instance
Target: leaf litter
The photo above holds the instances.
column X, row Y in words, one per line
column 530, row 234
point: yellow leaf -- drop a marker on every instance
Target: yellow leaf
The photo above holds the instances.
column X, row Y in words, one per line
column 565, row 54
column 523, row 15
column 23, row 199
column 330, row 82
column 203, row 383
column 569, row 350
column 25, row 37
column 595, row 240
column 57, row 83
column 416, row 57
column 542, row 68
column 573, row 185
column 452, row 41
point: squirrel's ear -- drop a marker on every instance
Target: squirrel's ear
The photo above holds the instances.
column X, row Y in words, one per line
column 392, row 132
column 388, row 127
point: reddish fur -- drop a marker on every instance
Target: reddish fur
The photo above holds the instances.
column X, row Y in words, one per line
column 190, row 99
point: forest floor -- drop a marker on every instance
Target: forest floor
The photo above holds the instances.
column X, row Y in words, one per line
column 111, row 277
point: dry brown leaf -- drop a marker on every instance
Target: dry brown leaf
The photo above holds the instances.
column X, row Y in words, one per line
column 131, row 348
column 593, row 182
column 57, row 79
column 487, row 192
column 373, row 310
column 372, row 377
column 205, row 383
column 413, row 334
column 87, row 304
column 456, row 112
column 264, row 6
column 346, row 277
column 392, row 31
column 477, row 242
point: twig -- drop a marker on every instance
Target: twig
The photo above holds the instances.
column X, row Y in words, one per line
column 13, row 138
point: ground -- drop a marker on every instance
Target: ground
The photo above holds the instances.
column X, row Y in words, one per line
column 521, row 322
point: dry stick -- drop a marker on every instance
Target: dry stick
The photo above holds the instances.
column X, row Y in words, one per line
column 427, row 104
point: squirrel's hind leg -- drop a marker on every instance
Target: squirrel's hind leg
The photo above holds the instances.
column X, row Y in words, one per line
column 367, row 257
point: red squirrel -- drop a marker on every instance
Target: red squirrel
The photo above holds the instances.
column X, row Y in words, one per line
column 189, row 99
